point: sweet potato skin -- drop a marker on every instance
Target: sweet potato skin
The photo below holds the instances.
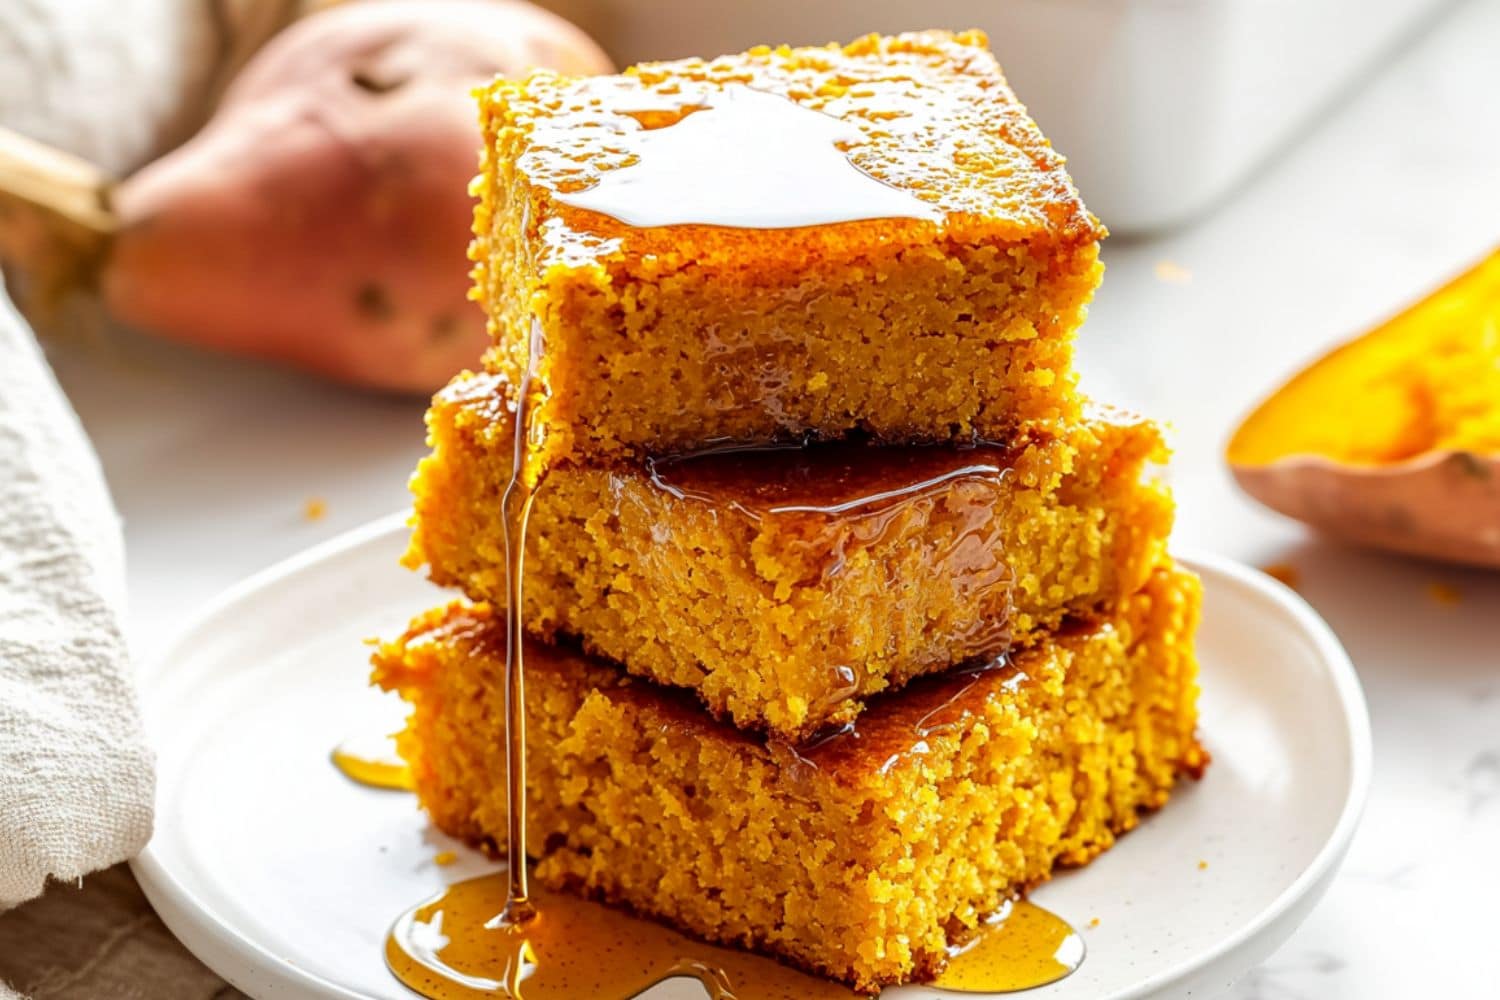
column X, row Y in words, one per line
column 321, row 217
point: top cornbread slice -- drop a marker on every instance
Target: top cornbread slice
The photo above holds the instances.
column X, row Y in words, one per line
column 664, row 338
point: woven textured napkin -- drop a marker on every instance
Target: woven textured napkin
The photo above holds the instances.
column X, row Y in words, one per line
column 76, row 779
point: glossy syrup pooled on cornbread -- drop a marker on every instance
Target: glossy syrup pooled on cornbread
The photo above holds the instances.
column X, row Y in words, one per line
column 927, row 114
column 826, row 496
column 904, row 721
column 823, row 480
column 707, row 162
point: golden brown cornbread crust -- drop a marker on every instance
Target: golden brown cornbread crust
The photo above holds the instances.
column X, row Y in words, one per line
column 788, row 622
column 664, row 338
column 861, row 859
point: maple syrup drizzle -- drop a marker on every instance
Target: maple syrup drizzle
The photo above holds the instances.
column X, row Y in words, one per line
column 516, row 503
column 372, row 761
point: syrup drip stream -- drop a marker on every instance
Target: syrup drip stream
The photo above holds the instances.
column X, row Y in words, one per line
column 516, row 503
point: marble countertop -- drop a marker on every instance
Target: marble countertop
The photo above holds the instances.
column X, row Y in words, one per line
column 214, row 462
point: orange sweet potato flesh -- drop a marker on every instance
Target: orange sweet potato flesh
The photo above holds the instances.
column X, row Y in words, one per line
column 1426, row 380
column 321, row 217
column 1393, row 440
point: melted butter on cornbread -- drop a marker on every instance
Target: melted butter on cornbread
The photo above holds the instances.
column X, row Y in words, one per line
column 709, row 164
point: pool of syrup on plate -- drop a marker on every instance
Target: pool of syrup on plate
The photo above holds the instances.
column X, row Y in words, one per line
column 453, row 947
column 491, row 936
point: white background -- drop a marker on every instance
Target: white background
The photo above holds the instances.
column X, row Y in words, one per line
column 211, row 462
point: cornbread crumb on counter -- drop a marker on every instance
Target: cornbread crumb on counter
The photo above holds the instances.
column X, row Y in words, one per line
column 744, row 576
column 862, row 856
column 664, row 338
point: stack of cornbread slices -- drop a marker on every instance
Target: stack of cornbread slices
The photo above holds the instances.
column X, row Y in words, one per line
column 847, row 618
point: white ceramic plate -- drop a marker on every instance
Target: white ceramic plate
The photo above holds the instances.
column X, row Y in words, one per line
column 283, row 876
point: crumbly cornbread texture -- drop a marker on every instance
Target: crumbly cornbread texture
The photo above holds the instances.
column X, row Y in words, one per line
column 664, row 338
column 787, row 585
column 862, row 857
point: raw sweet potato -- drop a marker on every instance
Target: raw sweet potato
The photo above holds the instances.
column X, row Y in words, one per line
column 321, row 217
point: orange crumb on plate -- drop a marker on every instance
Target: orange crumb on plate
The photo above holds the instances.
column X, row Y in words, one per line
column 1284, row 572
column 1202, row 865
column 444, row 858
column 1094, row 922
column 314, row 508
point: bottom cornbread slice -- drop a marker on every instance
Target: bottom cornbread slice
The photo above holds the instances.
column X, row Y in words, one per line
column 863, row 855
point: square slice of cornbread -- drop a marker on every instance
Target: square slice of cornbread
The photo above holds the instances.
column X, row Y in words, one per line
column 862, row 857
column 787, row 585
column 947, row 315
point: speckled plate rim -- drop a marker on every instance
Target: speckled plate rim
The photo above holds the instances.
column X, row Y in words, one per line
column 1275, row 923
column 249, row 966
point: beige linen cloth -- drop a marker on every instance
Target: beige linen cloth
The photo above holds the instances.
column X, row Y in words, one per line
column 76, row 779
